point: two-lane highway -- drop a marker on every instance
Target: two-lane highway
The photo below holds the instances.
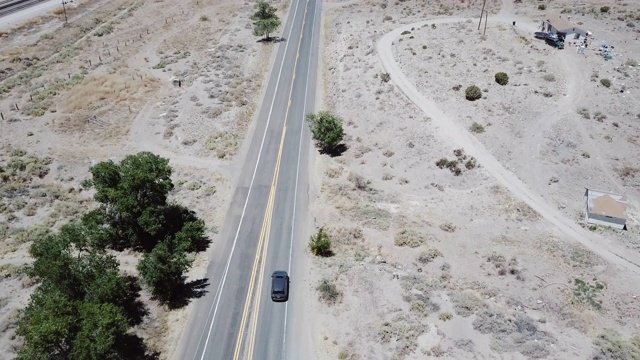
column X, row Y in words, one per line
column 237, row 319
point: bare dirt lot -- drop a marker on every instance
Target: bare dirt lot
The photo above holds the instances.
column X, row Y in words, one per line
column 102, row 87
column 445, row 212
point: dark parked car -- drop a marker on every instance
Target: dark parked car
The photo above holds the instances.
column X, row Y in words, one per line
column 555, row 42
column 541, row 35
column 279, row 286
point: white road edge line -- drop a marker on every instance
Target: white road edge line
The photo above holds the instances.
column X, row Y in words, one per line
column 246, row 202
column 295, row 192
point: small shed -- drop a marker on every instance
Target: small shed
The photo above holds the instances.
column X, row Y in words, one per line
column 604, row 208
column 556, row 24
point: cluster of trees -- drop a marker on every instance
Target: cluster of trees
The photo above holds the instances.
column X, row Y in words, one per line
column 85, row 305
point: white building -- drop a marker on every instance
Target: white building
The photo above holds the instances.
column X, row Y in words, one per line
column 603, row 208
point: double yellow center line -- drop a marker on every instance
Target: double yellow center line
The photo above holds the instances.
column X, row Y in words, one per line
column 263, row 241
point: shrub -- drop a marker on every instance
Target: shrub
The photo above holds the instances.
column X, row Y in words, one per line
column 409, row 238
column 605, row 82
column 599, row 116
column 631, row 62
column 502, row 78
column 160, row 65
column 604, row 9
column 549, row 77
column 476, row 128
column 587, row 293
column 326, row 129
column 429, row 255
column 359, row 182
column 612, row 345
column 320, row 243
column 584, row 112
column 445, row 316
column 473, row 93
column 386, row 77
column 328, row 291
column 542, row 7
column 204, row 18
column 104, row 30
column 448, row 227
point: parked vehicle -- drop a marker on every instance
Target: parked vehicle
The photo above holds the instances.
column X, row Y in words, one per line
column 555, row 42
column 541, row 35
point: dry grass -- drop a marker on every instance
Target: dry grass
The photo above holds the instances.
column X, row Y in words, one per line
column 110, row 91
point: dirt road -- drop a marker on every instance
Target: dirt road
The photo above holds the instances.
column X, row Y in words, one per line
column 458, row 136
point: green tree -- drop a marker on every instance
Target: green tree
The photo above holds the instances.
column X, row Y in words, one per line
column 133, row 195
column 48, row 325
column 162, row 270
column 102, row 325
column 83, row 275
column 326, row 129
column 266, row 21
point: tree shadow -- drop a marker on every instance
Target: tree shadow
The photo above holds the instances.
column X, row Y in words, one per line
column 270, row 40
column 336, row 151
column 190, row 290
column 326, row 254
column 131, row 346
column 131, row 304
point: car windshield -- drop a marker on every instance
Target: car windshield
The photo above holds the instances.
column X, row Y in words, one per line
column 278, row 284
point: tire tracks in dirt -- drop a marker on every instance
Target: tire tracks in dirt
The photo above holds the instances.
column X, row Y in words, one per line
column 456, row 135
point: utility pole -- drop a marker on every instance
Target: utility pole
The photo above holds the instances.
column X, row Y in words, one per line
column 65, row 12
column 486, row 19
column 485, row 1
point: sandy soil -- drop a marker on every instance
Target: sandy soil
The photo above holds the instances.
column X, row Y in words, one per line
column 495, row 262
column 101, row 88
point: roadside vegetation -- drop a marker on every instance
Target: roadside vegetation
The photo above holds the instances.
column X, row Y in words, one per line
column 85, row 305
column 266, row 22
column 327, row 131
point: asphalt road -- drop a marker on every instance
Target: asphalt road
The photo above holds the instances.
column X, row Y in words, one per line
column 15, row 19
column 265, row 224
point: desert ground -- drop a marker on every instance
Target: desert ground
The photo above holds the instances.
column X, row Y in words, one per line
column 102, row 87
column 494, row 261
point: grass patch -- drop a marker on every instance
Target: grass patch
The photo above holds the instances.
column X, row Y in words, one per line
column 160, row 65
column 612, row 345
column 104, row 30
column 588, row 293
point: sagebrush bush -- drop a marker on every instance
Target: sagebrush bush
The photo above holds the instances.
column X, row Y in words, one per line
column 476, row 128
column 604, row 9
column 473, row 93
column 605, row 82
column 328, row 291
column 502, row 78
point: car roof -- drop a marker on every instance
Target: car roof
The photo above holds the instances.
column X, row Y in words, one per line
column 279, row 273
